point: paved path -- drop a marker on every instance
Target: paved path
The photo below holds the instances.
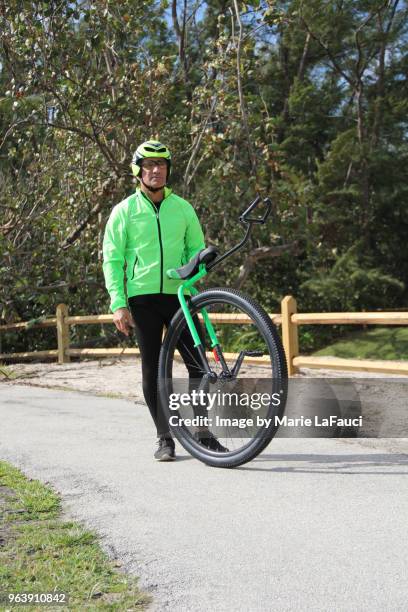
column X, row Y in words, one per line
column 310, row 525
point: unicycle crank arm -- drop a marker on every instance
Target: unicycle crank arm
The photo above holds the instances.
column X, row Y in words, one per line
column 241, row 357
column 205, row 383
column 209, row 375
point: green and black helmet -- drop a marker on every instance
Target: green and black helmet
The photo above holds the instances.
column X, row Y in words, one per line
column 150, row 148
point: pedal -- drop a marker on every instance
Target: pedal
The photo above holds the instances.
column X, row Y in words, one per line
column 241, row 357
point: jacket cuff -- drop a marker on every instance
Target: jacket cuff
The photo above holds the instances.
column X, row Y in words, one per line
column 119, row 302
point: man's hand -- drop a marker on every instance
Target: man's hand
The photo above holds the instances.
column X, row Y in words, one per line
column 123, row 320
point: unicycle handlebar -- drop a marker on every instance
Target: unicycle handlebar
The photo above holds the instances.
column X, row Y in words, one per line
column 245, row 218
column 249, row 221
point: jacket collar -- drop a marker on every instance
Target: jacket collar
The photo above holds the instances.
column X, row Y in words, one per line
column 167, row 192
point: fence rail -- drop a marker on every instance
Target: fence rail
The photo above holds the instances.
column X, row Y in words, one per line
column 288, row 318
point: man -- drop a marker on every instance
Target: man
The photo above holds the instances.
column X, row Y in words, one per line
column 151, row 231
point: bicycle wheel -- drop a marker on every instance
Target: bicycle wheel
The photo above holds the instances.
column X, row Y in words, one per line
column 253, row 355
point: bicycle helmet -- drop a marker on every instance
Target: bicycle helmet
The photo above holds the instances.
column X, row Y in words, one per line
column 150, row 148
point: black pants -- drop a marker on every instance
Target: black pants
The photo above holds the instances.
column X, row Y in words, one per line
column 151, row 313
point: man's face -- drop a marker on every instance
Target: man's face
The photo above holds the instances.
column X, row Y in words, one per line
column 154, row 172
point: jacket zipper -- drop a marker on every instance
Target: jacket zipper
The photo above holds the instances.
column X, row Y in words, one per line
column 160, row 240
column 161, row 251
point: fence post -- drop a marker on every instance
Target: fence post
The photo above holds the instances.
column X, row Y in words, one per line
column 62, row 334
column 289, row 332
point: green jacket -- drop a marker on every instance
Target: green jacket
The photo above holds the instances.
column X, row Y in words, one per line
column 149, row 242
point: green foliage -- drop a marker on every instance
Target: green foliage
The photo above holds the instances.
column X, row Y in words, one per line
column 324, row 104
column 379, row 343
column 351, row 284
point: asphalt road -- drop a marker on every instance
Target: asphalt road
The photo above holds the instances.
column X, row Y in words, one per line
column 309, row 525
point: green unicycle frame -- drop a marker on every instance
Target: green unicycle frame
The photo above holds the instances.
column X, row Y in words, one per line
column 188, row 286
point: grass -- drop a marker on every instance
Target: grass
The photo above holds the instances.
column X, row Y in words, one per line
column 388, row 343
column 40, row 553
column 7, row 373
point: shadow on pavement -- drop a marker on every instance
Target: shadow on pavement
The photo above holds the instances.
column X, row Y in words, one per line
column 309, row 463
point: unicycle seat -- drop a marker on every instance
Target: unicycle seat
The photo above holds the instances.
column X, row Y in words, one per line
column 192, row 267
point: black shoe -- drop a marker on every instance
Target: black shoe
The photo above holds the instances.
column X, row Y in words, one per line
column 207, row 439
column 165, row 452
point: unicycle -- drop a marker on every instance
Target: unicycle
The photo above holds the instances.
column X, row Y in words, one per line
column 231, row 410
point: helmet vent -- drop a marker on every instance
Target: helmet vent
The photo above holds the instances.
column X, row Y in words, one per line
column 155, row 150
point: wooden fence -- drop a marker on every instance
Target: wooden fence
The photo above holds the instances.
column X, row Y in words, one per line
column 289, row 319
